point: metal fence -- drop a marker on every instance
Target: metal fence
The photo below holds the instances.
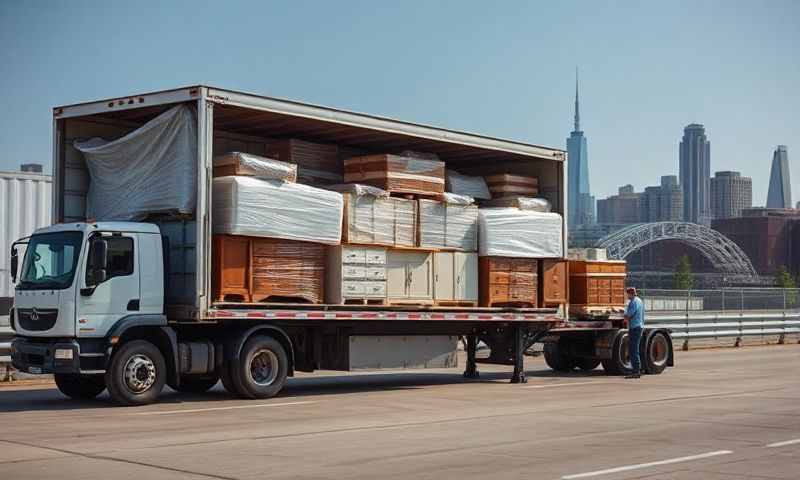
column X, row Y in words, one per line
column 733, row 314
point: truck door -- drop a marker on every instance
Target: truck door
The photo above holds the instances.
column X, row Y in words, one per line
column 117, row 296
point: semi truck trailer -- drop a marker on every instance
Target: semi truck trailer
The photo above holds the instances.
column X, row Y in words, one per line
column 127, row 305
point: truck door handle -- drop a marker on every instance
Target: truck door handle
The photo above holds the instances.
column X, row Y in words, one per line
column 133, row 305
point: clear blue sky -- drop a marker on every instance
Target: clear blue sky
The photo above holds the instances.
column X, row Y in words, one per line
column 498, row 68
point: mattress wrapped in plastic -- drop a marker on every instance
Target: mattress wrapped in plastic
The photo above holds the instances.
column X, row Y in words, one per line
column 460, row 184
column 448, row 225
column 153, row 169
column 238, row 163
column 511, row 232
column 373, row 217
column 274, row 209
column 523, row 203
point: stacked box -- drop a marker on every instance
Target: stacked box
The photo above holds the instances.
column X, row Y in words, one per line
column 444, row 225
column 318, row 164
column 238, row 163
column 503, row 185
column 379, row 220
column 397, row 174
column 250, row 269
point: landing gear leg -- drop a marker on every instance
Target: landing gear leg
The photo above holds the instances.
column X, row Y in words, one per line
column 472, row 368
column 519, row 358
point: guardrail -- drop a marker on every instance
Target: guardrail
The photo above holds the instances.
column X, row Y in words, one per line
column 720, row 325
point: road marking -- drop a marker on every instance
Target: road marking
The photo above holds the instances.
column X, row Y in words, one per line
column 647, row 465
column 567, row 384
column 212, row 409
column 783, row 444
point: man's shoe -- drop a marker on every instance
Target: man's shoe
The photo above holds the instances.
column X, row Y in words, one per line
column 633, row 375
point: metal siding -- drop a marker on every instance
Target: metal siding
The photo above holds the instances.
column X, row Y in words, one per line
column 24, row 206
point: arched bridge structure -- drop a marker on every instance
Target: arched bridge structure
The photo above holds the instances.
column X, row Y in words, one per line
column 725, row 255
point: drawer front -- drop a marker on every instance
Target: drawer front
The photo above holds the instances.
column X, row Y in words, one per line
column 353, row 271
column 498, row 292
column 375, row 273
column 374, row 289
column 523, row 265
column 352, row 289
column 522, row 294
column 353, row 255
column 502, row 278
column 375, row 256
column 522, row 278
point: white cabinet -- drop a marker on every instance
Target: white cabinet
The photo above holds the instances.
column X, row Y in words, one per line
column 456, row 276
column 355, row 273
column 409, row 276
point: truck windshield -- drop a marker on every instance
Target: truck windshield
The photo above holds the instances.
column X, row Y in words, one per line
column 50, row 261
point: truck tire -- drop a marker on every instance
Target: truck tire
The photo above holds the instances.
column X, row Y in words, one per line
column 556, row 358
column 656, row 353
column 136, row 374
column 80, row 387
column 195, row 384
column 587, row 364
column 261, row 370
column 619, row 363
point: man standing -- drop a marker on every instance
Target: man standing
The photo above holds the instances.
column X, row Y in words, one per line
column 634, row 316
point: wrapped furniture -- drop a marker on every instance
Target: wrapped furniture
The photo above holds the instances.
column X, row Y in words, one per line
column 275, row 209
column 445, row 225
column 460, row 184
column 397, row 174
column 507, row 281
column 503, row 185
column 371, row 216
column 523, row 203
column 511, row 232
column 238, row 163
column 318, row 164
column 251, row 269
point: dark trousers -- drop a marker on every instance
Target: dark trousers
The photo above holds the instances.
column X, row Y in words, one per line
column 634, row 338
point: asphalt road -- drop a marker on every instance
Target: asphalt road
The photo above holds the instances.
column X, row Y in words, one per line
column 719, row 414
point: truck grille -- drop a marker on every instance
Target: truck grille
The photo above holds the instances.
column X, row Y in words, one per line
column 37, row 319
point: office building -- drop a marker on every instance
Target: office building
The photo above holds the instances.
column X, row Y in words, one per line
column 730, row 194
column 581, row 202
column 663, row 203
column 623, row 208
column 780, row 190
column 695, row 172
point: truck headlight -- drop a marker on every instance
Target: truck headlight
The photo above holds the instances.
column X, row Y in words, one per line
column 63, row 354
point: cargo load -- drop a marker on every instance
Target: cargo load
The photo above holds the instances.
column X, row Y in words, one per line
column 504, row 280
column 449, row 224
column 275, row 209
column 152, row 169
column 318, row 164
column 396, row 173
column 596, row 286
column 523, row 203
column 238, row 163
column 252, row 269
column 511, row 232
column 460, row 184
column 504, row 185
column 371, row 216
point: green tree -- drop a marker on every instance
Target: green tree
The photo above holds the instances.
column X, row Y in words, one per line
column 682, row 279
column 783, row 279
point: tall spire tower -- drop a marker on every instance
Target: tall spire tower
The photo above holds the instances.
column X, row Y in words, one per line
column 579, row 199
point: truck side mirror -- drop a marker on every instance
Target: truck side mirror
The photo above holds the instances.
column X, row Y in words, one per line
column 98, row 262
column 14, row 264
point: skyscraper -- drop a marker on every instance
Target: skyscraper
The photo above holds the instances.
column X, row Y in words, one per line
column 695, row 171
column 780, row 190
column 730, row 194
column 663, row 203
column 581, row 202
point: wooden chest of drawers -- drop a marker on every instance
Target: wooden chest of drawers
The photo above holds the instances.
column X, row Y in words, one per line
column 505, row 280
column 356, row 273
column 250, row 269
column 553, row 287
column 596, row 284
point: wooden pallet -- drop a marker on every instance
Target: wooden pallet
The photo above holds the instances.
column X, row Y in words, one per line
column 513, row 304
column 456, row 303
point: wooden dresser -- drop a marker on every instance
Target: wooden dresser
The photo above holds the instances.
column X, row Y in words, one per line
column 554, row 284
column 596, row 285
column 251, row 269
column 508, row 281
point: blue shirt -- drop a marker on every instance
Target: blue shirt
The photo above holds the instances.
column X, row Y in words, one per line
column 635, row 312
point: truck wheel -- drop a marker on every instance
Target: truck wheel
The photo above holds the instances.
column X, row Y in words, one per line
column 556, row 358
column 656, row 353
column 137, row 373
column 620, row 361
column 262, row 368
column 195, row 384
column 587, row 364
column 80, row 387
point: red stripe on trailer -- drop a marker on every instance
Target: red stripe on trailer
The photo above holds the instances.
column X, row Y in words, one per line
column 438, row 316
column 461, row 316
column 315, row 314
column 414, row 316
column 256, row 314
column 344, row 315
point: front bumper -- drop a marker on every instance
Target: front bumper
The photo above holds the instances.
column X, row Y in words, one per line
column 38, row 355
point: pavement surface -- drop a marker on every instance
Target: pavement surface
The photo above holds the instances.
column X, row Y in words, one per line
column 719, row 414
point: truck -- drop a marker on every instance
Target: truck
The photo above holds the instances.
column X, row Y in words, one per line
column 127, row 306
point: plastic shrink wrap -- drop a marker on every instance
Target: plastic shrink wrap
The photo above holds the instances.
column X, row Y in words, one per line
column 238, row 163
column 460, row 184
column 502, row 185
column 448, row 225
column 523, row 203
column 275, row 209
column 510, row 232
column 318, row 164
column 150, row 170
column 373, row 217
column 396, row 173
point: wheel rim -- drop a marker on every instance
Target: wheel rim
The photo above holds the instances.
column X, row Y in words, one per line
column 625, row 352
column 659, row 350
column 139, row 373
column 264, row 367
